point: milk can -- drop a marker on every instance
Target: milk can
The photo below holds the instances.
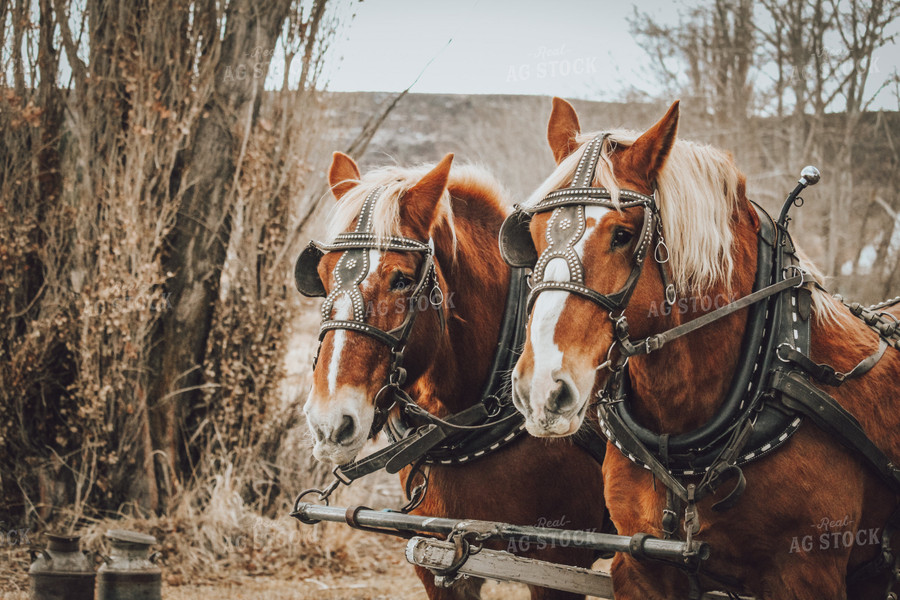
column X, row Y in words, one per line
column 61, row 572
column 128, row 573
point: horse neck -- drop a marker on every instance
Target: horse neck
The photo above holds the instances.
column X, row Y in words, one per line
column 476, row 281
column 681, row 386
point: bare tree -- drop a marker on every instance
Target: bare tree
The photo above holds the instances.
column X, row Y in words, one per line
column 706, row 58
column 807, row 63
column 126, row 183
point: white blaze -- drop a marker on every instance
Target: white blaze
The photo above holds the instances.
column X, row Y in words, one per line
column 549, row 305
column 548, row 356
column 343, row 310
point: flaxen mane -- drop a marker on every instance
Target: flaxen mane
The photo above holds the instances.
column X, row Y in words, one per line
column 696, row 215
column 469, row 180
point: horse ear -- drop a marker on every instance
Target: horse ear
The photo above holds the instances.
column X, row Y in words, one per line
column 653, row 147
column 562, row 129
column 419, row 206
column 343, row 175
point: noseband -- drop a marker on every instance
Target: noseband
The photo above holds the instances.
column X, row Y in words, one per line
column 349, row 273
column 566, row 227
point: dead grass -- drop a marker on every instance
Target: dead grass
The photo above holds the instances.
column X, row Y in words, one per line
column 229, row 552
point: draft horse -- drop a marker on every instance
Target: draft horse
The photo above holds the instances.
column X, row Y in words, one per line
column 418, row 313
column 743, row 405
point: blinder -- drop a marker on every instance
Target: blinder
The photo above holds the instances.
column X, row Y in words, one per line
column 306, row 272
column 516, row 245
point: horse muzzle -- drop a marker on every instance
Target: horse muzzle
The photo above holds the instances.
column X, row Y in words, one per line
column 339, row 428
column 550, row 403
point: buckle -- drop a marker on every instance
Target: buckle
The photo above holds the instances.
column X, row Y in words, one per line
column 654, row 343
column 339, row 473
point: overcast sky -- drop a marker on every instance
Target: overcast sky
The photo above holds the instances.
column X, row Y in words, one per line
column 570, row 48
column 573, row 48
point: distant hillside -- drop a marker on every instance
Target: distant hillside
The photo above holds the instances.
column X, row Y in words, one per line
column 505, row 133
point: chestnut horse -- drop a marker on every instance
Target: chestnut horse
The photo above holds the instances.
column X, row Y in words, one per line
column 812, row 511
column 458, row 213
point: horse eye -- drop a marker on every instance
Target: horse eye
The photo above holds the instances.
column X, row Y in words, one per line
column 400, row 282
column 621, row 238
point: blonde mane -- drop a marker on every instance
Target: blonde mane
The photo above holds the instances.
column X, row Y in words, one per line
column 697, row 195
column 397, row 181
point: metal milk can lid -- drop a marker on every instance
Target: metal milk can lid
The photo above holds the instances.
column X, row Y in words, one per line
column 123, row 536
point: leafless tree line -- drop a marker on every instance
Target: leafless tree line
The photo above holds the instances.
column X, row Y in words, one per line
column 789, row 82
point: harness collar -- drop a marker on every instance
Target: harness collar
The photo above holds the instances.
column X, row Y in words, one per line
column 769, row 323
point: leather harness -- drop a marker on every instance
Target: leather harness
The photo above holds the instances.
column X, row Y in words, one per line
column 770, row 393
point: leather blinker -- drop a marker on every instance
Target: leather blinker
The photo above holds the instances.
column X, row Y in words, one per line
column 306, row 274
column 516, row 246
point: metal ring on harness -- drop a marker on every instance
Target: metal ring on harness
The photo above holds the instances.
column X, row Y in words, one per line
column 380, row 392
column 671, row 294
column 493, row 404
column 778, row 352
column 802, row 272
column 436, row 296
column 660, row 243
column 460, row 556
column 381, row 412
column 608, row 363
column 323, row 497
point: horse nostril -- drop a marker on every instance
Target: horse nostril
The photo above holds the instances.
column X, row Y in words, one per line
column 561, row 398
column 520, row 395
column 346, row 431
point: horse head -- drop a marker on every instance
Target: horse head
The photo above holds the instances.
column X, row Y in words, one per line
column 589, row 266
column 378, row 277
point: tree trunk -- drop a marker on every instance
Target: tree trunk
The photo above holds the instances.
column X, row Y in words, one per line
column 199, row 241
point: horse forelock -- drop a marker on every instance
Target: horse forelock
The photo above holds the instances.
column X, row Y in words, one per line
column 468, row 180
column 698, row 191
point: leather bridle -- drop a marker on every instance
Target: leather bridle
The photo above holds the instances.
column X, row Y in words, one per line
column 567, row 226
column 349, row 272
